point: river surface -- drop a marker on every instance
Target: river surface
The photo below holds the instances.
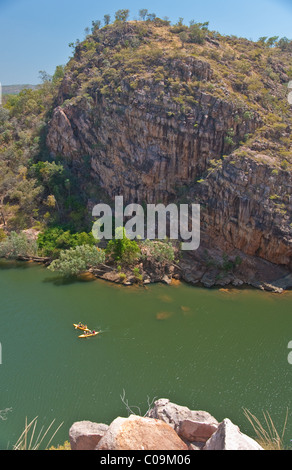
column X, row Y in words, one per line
column 214, row 350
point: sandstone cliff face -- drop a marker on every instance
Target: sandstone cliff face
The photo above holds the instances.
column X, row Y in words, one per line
column 248, row 206
column 143, row 149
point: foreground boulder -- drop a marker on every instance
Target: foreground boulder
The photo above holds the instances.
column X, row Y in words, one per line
column 137, row 433
column 167, row 426
column 229, row 437
column 192, row 426
column 85, row 435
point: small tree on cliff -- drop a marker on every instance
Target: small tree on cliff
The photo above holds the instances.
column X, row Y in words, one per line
column 122, row 15
column 143, row 13
column 95, row 25
column 106, row 19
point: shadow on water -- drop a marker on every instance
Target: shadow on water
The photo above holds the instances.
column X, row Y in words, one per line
column 6, row 264
column 66, row 281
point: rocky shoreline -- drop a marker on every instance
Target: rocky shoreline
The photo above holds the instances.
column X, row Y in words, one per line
column 204, row 278
column 193, row 271
column 203, row 268
column 166, row 426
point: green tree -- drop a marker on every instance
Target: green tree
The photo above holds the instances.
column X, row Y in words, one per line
column 2, row 235
column 272, row 41
column 45, row 76
column 262, row 40
column 184, row 36
column 51, row 175
column 59, row 74
column 77, row 260
column 4, row 115
column 123, row 249
column 160, row 251
column 27, row 192
column 197, row 33
column 180, row 21
column 7, row 182
column 143, row 14
column 96, row 25
column 26, row 103
column 122, row 15
column 151, row 16
column 106, row 20
column 285, row 44
column 53, row 240
column 17, row 244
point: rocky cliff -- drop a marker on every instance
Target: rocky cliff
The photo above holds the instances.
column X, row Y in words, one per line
column 162, row 119
column 249, row 207
column 142, row 149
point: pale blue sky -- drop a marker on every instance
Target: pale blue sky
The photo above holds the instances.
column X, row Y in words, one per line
column 34, row 34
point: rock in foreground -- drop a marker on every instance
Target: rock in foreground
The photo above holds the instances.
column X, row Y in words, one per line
column 229, row 437
column 137, row 433
column 167, row 426
column 85, row 435
column 192, row 426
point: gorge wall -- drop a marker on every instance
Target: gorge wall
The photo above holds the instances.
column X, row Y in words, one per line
column 142, row 149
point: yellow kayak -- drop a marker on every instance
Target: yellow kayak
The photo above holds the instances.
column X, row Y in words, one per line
column 88, row 335
column 82, row 327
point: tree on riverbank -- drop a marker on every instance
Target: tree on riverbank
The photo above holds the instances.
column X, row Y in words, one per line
column 16, row 245
column 77, row 260
column 122, row 249
column 53, row 240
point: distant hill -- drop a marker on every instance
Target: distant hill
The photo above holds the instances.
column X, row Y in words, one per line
column 15, row 89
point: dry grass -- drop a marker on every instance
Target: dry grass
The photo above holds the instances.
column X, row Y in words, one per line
column 29, row 440
column 266, row 433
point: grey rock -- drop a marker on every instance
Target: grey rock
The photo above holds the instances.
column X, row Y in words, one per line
column 229, row 437
column 192, row 426
column 85, row 435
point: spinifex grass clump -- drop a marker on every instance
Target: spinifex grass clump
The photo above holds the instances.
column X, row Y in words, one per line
column 266, row 433
column 29, row 440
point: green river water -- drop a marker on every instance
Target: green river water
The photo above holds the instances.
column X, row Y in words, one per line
column 211, row 350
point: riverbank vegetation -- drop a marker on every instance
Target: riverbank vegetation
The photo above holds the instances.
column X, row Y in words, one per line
column 17, row 245
column 71, row 254
column 77, row 260
column 53, row 241
column 121, row 249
